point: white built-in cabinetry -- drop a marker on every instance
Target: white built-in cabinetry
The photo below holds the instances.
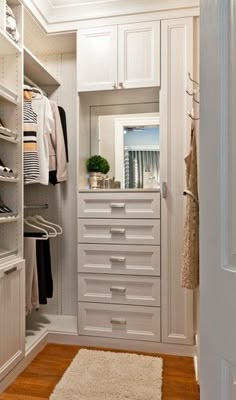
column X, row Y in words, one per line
column 12, row 316
column 119, row 239
column 12, row 268
column 119, row 57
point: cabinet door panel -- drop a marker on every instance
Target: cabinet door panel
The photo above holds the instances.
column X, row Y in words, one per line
column 12, row 317
column 139, row 54
column 97, row 58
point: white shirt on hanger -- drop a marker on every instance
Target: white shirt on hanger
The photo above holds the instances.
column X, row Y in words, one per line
column 42, row 108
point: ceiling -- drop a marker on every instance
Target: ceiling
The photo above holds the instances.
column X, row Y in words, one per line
column 63, row 3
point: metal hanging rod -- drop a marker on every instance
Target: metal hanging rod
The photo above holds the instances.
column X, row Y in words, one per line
column 36, row 206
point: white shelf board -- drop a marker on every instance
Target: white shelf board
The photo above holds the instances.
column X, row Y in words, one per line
column 39, row 325
column 7, row 45
column 8, row 95
column 37, row 72
column 8, row 139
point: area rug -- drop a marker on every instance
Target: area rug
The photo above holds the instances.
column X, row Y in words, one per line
column 102, row 375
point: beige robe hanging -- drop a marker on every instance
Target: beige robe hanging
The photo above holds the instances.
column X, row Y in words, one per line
column 190, row 263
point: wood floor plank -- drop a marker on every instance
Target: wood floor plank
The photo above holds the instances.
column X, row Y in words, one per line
column 38, row 380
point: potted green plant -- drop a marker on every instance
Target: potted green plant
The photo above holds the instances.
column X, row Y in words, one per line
column 97, row 167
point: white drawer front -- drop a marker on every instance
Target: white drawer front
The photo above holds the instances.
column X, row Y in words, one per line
column 118, row 321
column 119, row 231
column 116, row 259
column 119, row 205
column 119, row 289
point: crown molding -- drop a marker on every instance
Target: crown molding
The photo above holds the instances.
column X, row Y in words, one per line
column 48, row 14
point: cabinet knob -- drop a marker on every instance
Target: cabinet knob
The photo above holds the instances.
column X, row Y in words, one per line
column 121, row 85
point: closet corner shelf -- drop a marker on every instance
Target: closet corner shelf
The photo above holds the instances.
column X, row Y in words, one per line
column 37, row 72
column 7, row 45
column 8, row 95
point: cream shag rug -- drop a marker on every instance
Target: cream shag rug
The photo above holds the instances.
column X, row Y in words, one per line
column 102, row 375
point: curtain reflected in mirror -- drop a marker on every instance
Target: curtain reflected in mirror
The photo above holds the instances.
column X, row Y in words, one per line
column 141, row 157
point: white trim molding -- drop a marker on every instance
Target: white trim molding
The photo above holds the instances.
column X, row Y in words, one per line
column 54, row 16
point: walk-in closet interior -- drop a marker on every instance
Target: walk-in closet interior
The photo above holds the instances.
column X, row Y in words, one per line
column 96, row 259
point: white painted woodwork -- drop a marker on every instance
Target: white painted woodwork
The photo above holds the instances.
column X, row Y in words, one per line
column 100, row 288
column 97, row 58
column 119, row 205
column 139, row 55
column 113, row 231
column 119, row 259
column 36, row 71
column 176, row 61
column 217, row 200
column 119, row 321
column 12, row 316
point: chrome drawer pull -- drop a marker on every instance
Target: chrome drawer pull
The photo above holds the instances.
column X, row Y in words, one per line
column 118, row 321
column 117, row 205
column 117, row 259
column 117, row 230
column 118, row 289
column 10, row 271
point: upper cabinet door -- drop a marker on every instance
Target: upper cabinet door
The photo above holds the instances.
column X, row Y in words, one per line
column 139, row 55
column 97, row 58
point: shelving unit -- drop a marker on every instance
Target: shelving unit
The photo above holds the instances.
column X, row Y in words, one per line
column 7, row 45
column 36, row 72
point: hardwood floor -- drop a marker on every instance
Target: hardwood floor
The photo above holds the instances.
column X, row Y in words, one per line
column 40, row 377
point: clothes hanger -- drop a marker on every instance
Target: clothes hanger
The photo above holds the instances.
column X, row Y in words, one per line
column 60, row 230
column 44, row 237
column 52, row 234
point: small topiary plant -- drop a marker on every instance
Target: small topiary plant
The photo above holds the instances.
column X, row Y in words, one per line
column 98, row 164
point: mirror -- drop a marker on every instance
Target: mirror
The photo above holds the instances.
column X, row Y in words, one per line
column 131, row 144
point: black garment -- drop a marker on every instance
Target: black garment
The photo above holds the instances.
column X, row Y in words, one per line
column 53, row 174
column 64, row 128
column 45, row 281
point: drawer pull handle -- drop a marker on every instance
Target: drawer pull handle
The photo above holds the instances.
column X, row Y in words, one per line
column 10, row 271
column 117, row 259
column 118, row 321
column 118, row 231
column 118, row 289
column 117, row 205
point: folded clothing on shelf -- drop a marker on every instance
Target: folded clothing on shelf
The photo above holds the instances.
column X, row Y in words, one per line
column 11, row 25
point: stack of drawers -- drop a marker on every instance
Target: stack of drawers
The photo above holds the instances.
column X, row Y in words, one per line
column 119, row 264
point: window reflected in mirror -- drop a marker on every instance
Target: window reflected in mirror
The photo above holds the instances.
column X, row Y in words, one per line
column 141, row 157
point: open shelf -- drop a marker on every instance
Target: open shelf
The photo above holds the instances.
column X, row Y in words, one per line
column 37, row 72
column 8, row 95
column 40, row 325
column 7, row 255
column 7, row 45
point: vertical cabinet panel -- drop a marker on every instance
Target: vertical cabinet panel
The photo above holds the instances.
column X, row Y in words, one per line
column 97, row 58
column 139, row 54
column 12, row 317
column 177, row 61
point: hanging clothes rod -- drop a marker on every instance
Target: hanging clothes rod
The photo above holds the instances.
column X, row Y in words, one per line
column 36, row 206
column 28, row 81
